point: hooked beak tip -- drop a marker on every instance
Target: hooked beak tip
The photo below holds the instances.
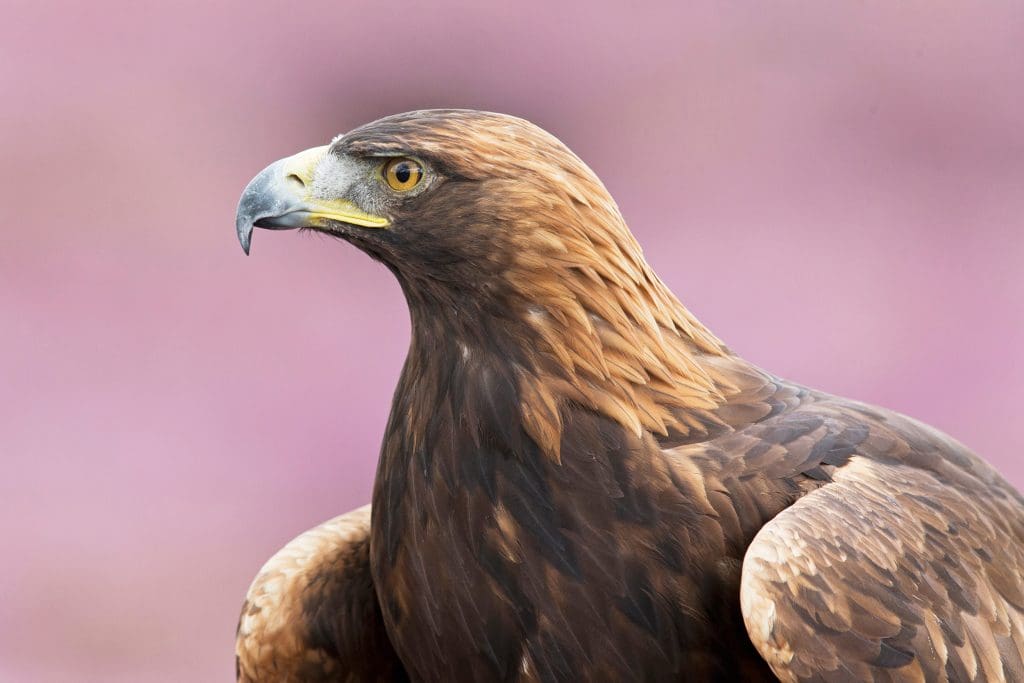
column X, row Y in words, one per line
column 243, row 227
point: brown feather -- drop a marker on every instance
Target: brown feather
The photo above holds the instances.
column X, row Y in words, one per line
column 578, row 478
column 311, row 614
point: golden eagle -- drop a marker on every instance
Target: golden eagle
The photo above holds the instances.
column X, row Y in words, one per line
column 578, row 481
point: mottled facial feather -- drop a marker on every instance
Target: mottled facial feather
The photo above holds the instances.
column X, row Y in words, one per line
column 358, row 179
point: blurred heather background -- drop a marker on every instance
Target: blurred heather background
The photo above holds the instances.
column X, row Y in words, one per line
column 838, row 192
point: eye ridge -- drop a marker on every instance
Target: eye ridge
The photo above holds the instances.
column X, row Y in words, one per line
column 402, row 174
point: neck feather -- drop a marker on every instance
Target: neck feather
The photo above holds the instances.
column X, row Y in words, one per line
column 613, row 340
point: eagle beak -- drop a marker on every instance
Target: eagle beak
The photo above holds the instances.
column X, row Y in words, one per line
column 280, row 198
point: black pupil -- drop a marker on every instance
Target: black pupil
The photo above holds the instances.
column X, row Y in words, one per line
column 403, row 172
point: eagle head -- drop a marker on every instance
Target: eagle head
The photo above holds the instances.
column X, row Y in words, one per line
column 461, row 205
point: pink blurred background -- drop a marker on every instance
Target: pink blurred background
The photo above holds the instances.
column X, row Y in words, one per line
column 837, row 192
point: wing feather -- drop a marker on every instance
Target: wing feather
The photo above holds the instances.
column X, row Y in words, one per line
column 890, row 572
column 312, row 614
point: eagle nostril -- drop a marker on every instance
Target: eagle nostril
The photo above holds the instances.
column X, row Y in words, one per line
column 295, row 181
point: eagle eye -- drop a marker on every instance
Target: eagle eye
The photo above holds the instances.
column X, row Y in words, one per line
column 402, row 174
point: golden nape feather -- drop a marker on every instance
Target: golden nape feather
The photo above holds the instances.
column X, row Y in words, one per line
column 578, row 481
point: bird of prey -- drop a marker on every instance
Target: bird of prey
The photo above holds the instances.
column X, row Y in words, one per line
column 579, row 481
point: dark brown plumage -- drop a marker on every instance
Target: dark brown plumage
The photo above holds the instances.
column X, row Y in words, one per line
column 580, row 482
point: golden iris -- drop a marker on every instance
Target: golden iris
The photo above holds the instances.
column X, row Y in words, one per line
column 402, row 174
